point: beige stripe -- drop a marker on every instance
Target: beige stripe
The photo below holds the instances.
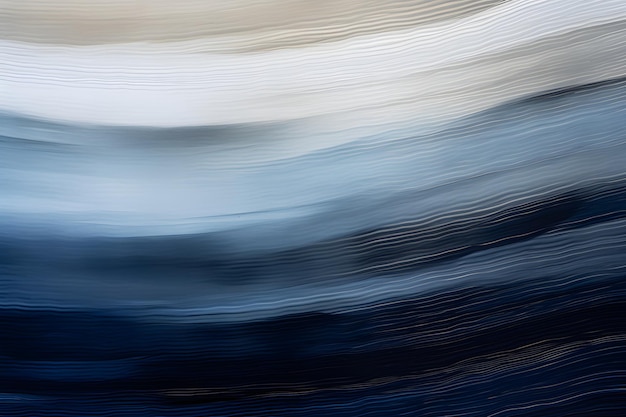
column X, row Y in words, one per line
column 259, row 24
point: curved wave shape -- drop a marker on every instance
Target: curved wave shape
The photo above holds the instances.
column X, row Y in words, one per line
column 259, row 209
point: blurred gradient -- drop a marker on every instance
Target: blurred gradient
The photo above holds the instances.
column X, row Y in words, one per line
column 296, row 208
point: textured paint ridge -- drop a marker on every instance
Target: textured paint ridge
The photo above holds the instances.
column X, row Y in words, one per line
column 260, row 208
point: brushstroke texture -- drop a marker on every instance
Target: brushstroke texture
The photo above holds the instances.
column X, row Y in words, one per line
column 259, row 209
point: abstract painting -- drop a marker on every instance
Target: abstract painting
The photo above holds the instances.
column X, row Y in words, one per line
column 313, row 208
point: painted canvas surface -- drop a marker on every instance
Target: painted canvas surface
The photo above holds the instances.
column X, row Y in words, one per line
column 313, row 208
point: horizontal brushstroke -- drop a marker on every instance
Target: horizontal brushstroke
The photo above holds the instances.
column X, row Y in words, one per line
column 259, row 208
